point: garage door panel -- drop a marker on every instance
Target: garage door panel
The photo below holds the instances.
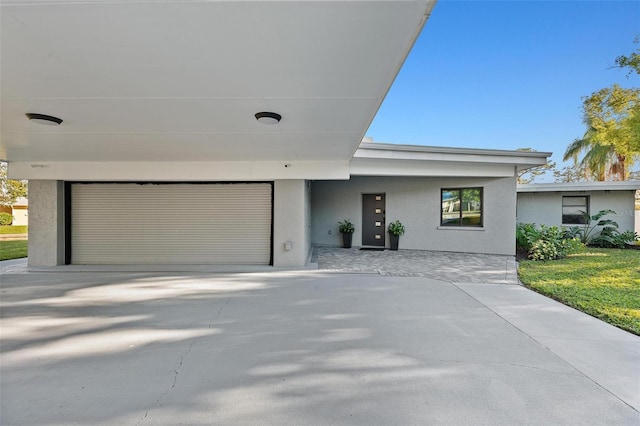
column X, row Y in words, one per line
column 171, row 223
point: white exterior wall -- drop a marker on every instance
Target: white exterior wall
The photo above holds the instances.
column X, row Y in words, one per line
column 290, row 222
column 546, row 207
column 415, row 201
column 20, row 217
column 46, row 223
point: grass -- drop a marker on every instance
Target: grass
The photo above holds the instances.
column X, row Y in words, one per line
column 13, row 249
column 10, row 229
column 604, row 283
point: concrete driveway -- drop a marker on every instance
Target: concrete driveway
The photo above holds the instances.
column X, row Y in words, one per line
column 303, row 348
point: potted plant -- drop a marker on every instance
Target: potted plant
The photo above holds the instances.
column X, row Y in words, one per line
column 346, row 229
column 395, row 230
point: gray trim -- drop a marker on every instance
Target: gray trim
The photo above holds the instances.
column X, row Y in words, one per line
column 629, row 185
column 451, row 150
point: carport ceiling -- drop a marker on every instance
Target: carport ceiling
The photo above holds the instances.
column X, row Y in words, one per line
column 182, row 80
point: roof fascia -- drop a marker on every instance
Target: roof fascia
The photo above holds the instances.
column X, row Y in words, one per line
column 393, row 153
column 580, row 186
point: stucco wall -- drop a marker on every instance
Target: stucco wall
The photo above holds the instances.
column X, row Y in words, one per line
column 415, row 201
column 546, row 207
column 307, row 218
column 46, row 230
column 290, row 222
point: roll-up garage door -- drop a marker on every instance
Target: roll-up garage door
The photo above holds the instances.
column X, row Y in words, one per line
column 171, row 223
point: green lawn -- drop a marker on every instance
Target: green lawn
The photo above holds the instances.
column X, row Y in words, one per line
column 604, row 283
column 10, row 229
column 13, row 249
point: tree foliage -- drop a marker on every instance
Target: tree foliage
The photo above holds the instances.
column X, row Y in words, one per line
column 573, row 173
column 10, row 190
column 530, row 175
column 632, row 62
column 611, row 143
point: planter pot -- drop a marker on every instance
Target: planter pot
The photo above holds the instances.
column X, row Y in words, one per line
column 346, row 239
column 393, row 241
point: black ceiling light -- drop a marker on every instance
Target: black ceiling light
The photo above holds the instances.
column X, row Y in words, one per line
column 47, row 120
column 268, row 117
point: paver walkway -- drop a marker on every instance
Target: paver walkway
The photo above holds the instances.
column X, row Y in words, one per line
column 443, row 266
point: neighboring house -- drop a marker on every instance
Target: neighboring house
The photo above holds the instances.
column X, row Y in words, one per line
column 19, row 210
column 229, row 133
column 561, row 204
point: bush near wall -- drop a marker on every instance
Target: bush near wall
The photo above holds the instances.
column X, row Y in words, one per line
column 608, row 236
column 6, row 219
column 545, row 242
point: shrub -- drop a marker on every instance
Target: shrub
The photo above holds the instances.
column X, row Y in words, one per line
column 526, row 235
column 546, row 242
column 6, row 219
column 551, row 244
column 610, row 238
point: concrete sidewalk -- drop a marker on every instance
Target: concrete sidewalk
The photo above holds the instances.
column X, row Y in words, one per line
column 304, row 348
column 13, row 237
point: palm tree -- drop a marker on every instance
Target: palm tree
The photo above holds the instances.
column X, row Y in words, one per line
column 600, row 160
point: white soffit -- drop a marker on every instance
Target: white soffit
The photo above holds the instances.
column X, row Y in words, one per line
column 182, row 80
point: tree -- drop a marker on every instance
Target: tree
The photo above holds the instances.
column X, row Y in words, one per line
column 10, row 189
column 632, row 61
column 574, row 173
column 610, row 144
column 530, row 175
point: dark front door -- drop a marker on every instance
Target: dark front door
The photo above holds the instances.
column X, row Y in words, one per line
column 373, row 226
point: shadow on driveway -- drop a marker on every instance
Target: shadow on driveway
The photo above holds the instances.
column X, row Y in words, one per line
column 278, row 348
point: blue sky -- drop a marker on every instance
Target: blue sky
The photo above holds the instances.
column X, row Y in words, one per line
column 507, row 74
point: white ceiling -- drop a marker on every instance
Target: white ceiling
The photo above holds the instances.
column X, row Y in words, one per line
column 182, row 80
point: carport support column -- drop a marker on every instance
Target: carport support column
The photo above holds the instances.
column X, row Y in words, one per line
column 290, row 222
column 46, row 222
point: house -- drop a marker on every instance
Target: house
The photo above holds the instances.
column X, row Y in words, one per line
column 424, row 187
column 19, row 210
column 562, row 204
column 250, row 114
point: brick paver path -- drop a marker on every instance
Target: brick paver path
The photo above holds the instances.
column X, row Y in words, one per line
column 443, row 266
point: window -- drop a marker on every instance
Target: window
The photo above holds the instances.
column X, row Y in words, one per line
column 575, row 210
column 461, row 207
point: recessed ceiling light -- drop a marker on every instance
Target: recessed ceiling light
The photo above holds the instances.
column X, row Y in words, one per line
column 268, row 117
column 47, row 120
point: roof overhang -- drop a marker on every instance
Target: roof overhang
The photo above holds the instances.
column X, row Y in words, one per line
column 143, row 84
column 630, row 185
column 379, row 159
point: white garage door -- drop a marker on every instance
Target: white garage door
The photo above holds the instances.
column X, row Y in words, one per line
column 171, row 223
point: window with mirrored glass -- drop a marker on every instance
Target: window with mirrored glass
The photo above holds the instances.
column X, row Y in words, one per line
column 461, row 207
